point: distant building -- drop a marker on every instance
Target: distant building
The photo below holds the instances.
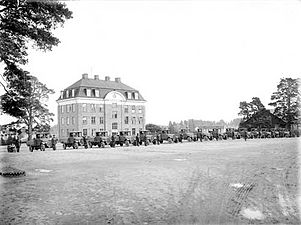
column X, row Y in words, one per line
column 91, row 105
column 263, row 119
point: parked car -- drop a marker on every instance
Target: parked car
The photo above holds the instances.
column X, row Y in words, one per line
column 36, row 143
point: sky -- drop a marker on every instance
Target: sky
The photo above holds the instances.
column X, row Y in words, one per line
column 188, row 59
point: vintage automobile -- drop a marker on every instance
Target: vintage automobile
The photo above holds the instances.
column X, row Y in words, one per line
column 97, row 140
column 275, row 133
column 265, row 133
column 124, row 138
column 165, row 135
column 75, row 140
column 186, row 135
column 146, row 137
column 254, row 132
column 36, row 143
column 48, row 140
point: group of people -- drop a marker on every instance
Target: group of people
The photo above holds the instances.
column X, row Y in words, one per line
column 13, row 141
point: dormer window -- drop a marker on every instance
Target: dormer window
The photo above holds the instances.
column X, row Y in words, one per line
column 72, row 92
column 93, row 92
column 129, row 96
column 97, row 93
column 133, row 95
column 89, row 92
column 136, row 95
column 62, row 94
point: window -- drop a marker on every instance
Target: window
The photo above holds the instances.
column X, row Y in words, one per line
column 136, row 95
column 88, row 92
column 126, row 120
column 67, row 131
column 62, row 120
column 84, row 107
column 133, row 131
column 67, row 108
column 67, row 120
column 96, row 93
column 73, row 120
column 73, row 107
column 62, row 94
column 133, row 95
column 140, row 120
column 62, row 132
column 140, row 109
column 85, row 92
column 114, row 114
column 133, row 120
column 73, row 93
column 101, row 121
column 114, row 126
column 93, row 92
column 129, row 96
column 100, row 108
column 133, row 109
column 93, row 108
column 84, row 120
column 126, row 109
column 92, row 119
column 69, row 93
column 62, row 109
column 85, row 132
column 93, row 132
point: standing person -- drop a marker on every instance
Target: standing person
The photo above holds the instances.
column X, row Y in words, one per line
column 18, row 142
column 113, row 141
column 158, row 138
column 137, row 140
column 53, row 142
column 245, row 135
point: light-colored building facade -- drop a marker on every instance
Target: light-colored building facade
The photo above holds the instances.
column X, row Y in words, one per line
column 91, row 105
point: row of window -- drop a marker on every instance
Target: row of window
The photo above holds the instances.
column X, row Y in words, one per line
column 95, row 93
column 85, row 119
column 93, row 130
column 99, row 108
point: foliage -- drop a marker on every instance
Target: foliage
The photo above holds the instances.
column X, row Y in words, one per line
column 247, row 109
column 286, row 100
column 28, row 105
column 23, row 21
column 152, row 128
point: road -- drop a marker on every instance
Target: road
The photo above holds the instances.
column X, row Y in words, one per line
column 229, row 182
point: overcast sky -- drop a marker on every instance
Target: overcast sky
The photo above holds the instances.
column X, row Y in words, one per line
column 188, row 59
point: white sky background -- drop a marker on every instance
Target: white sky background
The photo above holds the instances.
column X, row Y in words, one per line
column 188, row 59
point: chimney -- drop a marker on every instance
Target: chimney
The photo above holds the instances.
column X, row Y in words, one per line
column 85, row 76
column 107, row 78
column 96, row 77
column 117, row 79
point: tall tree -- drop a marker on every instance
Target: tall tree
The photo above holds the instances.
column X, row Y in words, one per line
column 286, row 100
column 247, row 109
column 23, row 22
column 28, row 105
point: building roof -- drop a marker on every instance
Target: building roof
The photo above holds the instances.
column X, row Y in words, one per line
column 262, row 118
column 103, row 84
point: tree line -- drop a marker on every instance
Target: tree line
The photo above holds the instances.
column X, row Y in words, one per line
column 285, row 102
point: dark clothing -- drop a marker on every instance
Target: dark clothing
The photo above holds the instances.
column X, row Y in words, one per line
column 137, row 140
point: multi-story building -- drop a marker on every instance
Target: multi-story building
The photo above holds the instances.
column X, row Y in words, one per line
column 91, row 105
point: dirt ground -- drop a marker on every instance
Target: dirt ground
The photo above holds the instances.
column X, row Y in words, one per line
column 218, row 182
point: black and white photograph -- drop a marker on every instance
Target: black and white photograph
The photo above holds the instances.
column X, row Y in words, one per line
column 150, row 112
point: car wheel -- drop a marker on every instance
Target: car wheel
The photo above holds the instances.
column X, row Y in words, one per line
column 64, row 146
column 42, row 147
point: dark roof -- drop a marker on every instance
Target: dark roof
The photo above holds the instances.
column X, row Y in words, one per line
column 104, row 87
column 262, row 118
column 103, row 84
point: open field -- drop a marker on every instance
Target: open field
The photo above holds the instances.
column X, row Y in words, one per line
column 230, row 182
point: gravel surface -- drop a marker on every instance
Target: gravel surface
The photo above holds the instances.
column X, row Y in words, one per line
column 229, row 182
